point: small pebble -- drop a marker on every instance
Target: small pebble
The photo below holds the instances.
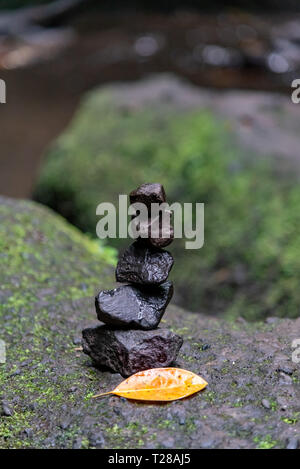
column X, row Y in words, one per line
column 168, row 443
column 25, row 363
column 6, row 410
column 77, row 443
column 33, row 406
column 97, row 439
column 266, row 404
column 292, row 443
column 272, row 320
column 181, row 420
column 64, row 424
column 205, row 347
column 72, row 389
column 288, row 370
column 28, row 432
column 285, row 379
column 77, row 340
column 207, row 444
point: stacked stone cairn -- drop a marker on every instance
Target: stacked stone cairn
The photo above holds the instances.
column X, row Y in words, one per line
column 130, row 340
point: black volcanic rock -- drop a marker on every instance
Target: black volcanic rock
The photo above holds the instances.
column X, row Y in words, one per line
column 144, row 265
column 162, row 241
column 130, row 351
column 165, row 234
column 148, row 194
column 153, row 193
column 134, row 306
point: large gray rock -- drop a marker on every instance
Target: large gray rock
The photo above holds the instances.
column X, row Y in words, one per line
column 134, row 306
column 130, row 351
column 49, row 275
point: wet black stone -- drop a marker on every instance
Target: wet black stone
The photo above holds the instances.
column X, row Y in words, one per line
column 148, row 194
column 130, row 351
column 134, row 306
column 153, row 193
column 162, row 241
column 144, row 265
column 165, row 235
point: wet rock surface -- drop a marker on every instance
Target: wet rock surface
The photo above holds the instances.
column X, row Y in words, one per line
column 134, row 306
column 129, row 351
column 241, row 363
column 144, row 265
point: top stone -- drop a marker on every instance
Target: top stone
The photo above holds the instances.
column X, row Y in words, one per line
column 149, row 193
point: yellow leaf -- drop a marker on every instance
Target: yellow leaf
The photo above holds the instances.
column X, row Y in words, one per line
column 159, row 384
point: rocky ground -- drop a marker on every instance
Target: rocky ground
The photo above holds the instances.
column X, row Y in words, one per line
column 49, row 274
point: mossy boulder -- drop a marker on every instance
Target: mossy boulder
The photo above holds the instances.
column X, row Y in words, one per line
column 158, row 130
column 49, row 274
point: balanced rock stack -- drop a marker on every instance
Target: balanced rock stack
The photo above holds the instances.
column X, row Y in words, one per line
column 130, row 340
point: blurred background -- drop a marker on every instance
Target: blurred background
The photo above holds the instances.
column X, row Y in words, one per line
column 103, row 96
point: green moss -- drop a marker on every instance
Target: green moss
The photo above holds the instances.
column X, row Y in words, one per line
column 265, row 442
column 164, row 423
column 85, row 443
column 190, row 425
column 210, row 396
column 290, row 420
column 12, row 430
column 118, row 437
column 46, row 266
column 238, row 404
column 35, row 255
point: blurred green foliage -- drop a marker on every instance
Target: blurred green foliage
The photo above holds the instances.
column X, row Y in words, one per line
column 250, row 263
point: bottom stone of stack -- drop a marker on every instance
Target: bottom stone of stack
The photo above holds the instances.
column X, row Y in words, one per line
column 130, row 351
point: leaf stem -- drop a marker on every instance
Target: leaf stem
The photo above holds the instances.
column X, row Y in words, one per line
column 102, row 394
